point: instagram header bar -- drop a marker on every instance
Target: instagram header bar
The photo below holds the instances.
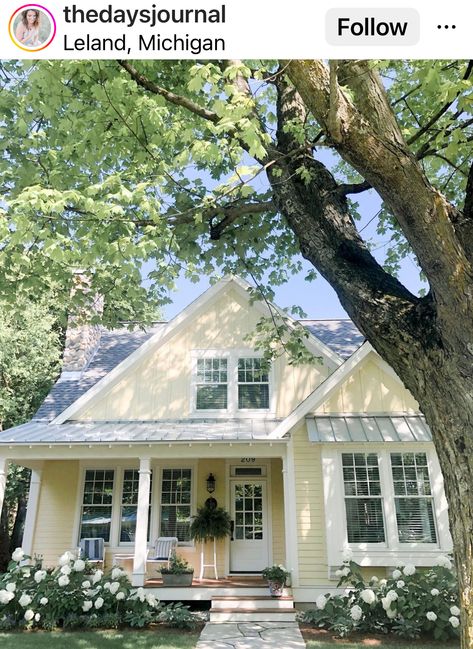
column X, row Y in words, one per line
column 88, row 29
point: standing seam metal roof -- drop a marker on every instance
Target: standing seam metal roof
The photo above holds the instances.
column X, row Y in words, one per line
column 402, row 427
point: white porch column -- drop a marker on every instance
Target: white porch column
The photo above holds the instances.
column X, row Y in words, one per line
column 141, row 543
column 32, row 509
column 3, row 479
column 290, row 514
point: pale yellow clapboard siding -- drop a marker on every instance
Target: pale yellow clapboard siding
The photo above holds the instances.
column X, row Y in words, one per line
column 370, row 389
column 56, row 510
column 160, row 386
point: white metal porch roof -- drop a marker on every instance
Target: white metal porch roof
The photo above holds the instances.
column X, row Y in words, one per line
column 39, row 432
column 402, row 427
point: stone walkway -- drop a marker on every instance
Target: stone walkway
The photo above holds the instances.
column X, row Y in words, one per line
column 250, row 635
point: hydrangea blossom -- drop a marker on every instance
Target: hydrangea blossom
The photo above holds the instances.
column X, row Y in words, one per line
column 392, row 595
column 87, row 605
column 11, row 587
column 43, row 601
column 66, row 558
column 397, row 574
column 120, row 595
column 6, row 596
column 409, row 570
column 29, row 615
column 98, row 603
column 431, row 616
column 347, row 554
column 97, row 576
column 368, row 596
column 444, row 562
column 383, row 582
column 386, row 603
column 321, row 602
column 116, row 573
column 18, row 555
column 356, row 613
column 37, row 617
column 454, row 621
column 345, row 572
column 400, row 584
column 454, row 610
column 434, row 592
column 140, row 593
column 79, row 565
column 39, row 575
column 114, row 587
column 66, row 570
column 86, row 584
column 63, row 580
column 25, row 600
column 374, row 579
column 106, row 585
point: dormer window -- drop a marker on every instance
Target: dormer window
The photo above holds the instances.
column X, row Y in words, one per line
column 229, row 382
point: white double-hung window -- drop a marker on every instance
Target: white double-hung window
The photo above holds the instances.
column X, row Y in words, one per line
column 385, row 504
column 228, row 382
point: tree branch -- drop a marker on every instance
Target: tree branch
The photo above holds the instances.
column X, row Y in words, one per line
column 232, row 213
column 468, row 205
column 177, row 100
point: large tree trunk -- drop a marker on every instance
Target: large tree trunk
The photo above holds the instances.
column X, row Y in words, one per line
column 4, row 539
column 18, row 525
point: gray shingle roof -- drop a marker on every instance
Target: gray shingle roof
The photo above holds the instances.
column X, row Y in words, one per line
column 402, row 427
column 113, row 348
column 341, row 336
column 93, row 432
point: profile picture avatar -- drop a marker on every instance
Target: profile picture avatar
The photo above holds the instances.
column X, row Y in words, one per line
column 32, row 27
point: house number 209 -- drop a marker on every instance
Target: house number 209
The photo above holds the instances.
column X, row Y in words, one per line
column 247, row 460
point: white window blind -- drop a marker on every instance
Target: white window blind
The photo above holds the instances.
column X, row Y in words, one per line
column 176, row 503
column 363, row 498
column 212, row 384
column 96, row 511
column 129, row 505
column 253, row 384
column 413, row 497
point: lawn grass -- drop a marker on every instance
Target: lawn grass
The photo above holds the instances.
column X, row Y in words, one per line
column 319, row 639
column 158, row 638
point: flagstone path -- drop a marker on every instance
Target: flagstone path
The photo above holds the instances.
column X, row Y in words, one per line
column 250, row 635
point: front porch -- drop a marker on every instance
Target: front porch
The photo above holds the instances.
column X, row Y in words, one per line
column 252, row 482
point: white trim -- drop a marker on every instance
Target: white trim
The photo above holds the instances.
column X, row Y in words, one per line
column 142, row 513
column 3, row 479
column 32, row 509
column 170, row 329
column 290, row 514
column 380, row 554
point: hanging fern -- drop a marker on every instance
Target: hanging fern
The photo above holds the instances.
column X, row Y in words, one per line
column 210, row 523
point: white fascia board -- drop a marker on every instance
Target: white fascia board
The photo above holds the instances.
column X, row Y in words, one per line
column 321, row 393
column 110, row 379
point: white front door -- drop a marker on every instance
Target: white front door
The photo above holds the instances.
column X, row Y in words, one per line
column 249, row 544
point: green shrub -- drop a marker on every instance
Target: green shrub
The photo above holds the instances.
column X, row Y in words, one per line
column 410, row 603
column 177, row 616
column 73, row 594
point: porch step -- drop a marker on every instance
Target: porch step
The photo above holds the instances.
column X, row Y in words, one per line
column 252, row 608
column 252, row 615
column 251, row 602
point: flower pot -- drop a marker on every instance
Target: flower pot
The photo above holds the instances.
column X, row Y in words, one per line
column 276, row 589
column 182, row 579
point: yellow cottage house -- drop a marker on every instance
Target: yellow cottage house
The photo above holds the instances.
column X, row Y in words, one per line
column 308, row 460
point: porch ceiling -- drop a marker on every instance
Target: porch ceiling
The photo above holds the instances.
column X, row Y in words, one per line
column 38, row 432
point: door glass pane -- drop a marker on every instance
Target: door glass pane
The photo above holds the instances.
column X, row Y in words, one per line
column 248, row 511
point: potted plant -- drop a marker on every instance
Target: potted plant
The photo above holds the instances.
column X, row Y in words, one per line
column 210, row 524
column 179, row 573
column 276, row 576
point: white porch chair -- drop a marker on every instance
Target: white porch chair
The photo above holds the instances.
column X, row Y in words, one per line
column 93, row 550
column 163, row 550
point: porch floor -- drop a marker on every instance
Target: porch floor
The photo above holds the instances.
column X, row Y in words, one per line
column 245, row 581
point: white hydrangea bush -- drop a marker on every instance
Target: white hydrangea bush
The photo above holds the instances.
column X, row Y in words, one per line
column 411, row 602
column 72, row 594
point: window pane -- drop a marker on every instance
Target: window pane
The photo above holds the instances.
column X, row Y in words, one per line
column 96, row 522
column 365, row 522
column 131, row 478
column 253, row 396
column 175, row 504
column 415, row 520
column 211, row 397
